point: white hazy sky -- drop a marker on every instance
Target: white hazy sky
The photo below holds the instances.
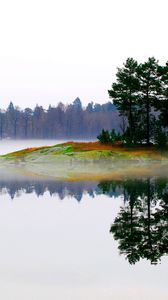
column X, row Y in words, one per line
column 56, row 50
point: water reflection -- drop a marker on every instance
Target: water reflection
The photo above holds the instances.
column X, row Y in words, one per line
column 15, row 188
column 141, row 226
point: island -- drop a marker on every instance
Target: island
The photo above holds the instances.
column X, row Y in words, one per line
column 87, row 160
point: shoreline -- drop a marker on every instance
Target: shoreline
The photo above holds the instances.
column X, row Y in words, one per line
column 86, row 161
column 87, row 151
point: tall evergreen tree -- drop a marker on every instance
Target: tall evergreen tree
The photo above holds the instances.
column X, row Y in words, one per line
column 124, row 93
column 149, row 92
column 162, row 104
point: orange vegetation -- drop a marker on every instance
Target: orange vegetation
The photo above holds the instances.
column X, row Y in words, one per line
column 26, row 151
column 134, row 151
column 89, row 146
column 138, row 151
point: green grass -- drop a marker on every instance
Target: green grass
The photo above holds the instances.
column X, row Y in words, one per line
column 86, row 151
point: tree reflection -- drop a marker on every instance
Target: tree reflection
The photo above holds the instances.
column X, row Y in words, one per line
column 141, row 227
column 17, row 187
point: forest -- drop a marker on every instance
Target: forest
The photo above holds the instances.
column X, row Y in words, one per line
column 140, row 94
column 71, row 121
column 137, row 112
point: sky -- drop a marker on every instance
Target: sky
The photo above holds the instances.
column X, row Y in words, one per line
column 57, row 50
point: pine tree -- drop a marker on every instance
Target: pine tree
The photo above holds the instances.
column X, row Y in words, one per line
column 149, row 92
column 124, row 93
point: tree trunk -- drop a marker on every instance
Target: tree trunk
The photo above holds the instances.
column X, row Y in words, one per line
column 147, row 119
column 130, row 121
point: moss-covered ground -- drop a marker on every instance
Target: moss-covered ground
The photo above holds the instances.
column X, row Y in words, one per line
column 90, row 150
column 86, row 161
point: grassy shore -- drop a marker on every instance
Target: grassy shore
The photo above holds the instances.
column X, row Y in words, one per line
column 86, row 161
column 89, row 150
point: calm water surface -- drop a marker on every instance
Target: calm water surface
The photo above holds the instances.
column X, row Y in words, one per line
column 83, row 240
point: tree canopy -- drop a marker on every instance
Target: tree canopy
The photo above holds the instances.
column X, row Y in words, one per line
column 140, row 93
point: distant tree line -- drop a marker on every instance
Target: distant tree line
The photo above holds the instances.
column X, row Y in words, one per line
column 61, row 121
column 140, row 94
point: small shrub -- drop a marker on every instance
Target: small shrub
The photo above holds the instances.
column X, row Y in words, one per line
column 109, row 137
column 115, row 137
column 104, row 137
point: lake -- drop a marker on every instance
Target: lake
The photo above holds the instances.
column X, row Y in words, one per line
column 86, row 240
